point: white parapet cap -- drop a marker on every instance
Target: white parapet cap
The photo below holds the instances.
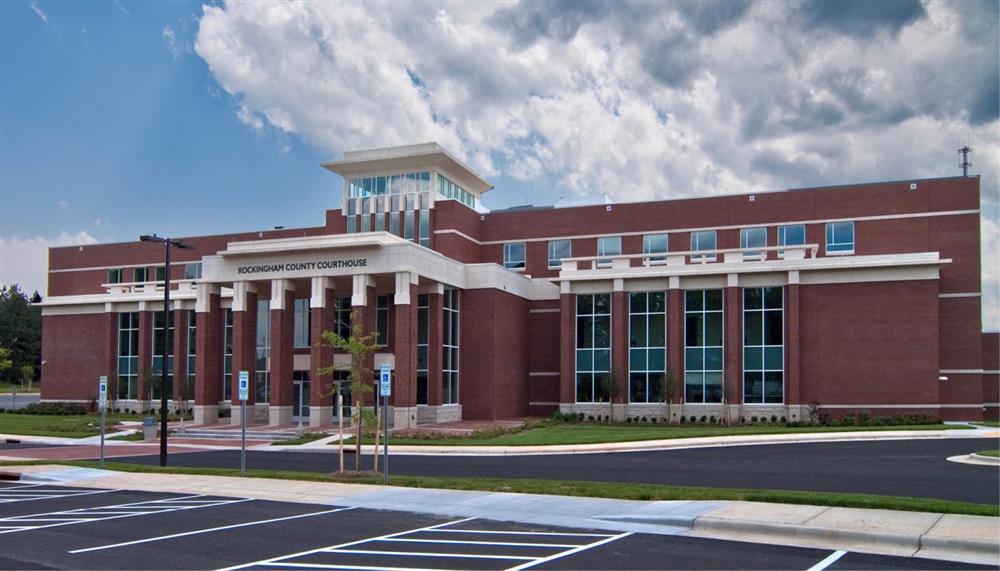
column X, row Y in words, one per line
column 419, row 157
column 324, row 242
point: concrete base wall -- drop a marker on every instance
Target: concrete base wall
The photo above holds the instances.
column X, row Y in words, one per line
column 436, row 414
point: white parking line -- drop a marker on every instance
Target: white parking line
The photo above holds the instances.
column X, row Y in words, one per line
column 830, row 560
column 355, row 548
column 104, row 513
column 209, row 530
column 30, row 492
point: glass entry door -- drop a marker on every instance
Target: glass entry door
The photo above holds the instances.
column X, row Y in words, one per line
column 300, row 396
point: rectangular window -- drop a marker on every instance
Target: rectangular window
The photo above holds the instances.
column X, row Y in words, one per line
column 139, row 274
column 425, row 228
column 352, row 225
column 161, row 274
column 128, row 355
column 840, row 238
column 301, row 328
column 380, row 222
column 423, row 346
column 647, row 355
column 227, row 357
column 192, row 271
column 382, row 320
column 262, row 376
column 450, row 347
column 408, row 234
column 187, row 391
column 655, row 244
column 559, row 250
column 703, row 240
column 593, row 347
column 703, row 345
column 763, row 345
column 342, row 316
column 753, row 238
column 163, row 344
column 513, row 255
column 608, row 246
column 114, row 275
column 791, row 235
column 394, row 223
column 366, row 223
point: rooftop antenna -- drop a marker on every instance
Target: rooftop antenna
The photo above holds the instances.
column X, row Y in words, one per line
column 965, row 164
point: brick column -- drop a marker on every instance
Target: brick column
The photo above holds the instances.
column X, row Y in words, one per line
column 110, row 347
column 180, row 352
column 244, row 345
column 675, row 342
column 435, row 344
column 363, row 312
column 733, row 340
column 321, row 400
column 145, row 357
column 567, row 348
column 793, row 364
column 619, row 349
column 282, row 352
column 404, row 390
column 208, row 374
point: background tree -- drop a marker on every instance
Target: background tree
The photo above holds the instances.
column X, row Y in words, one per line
column 611, row 387
column 668, row 389
column 27, row 375
column 359, row 377
column 20, row 332
column 5, row 361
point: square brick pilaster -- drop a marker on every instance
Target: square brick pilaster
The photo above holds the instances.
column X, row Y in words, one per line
column 208, row 376
column 567, row 349
column 244, row 352
column 282, row 355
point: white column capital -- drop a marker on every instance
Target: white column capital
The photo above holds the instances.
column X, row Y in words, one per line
column 564, row 287
column 432, row 288
column 278, row 288
column 732, row 280
column 674, row 282
column 240, row 291
column 618, row 284
column 204, row 294
column 319, row 285
column 361, row 284
column 402, row 296
column 793, row 277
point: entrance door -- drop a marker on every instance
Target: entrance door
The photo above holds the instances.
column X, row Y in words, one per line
column 300, row 396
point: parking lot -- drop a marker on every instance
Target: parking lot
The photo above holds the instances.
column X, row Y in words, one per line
column 61, row 527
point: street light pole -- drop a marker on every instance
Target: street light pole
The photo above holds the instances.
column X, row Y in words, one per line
column 167, row 243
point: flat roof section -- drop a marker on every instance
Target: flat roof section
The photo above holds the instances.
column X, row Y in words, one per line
column 408, row 157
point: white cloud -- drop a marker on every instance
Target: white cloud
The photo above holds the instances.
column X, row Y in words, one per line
column 102, row 222
column 24, row 261
column 62, row 205
column 41, row 13
column 177, row 48
column 636, row 100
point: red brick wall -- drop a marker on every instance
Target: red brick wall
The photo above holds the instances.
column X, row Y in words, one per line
column 991, row 380
column 869, row 343
column 494, row 355
column 73, row 361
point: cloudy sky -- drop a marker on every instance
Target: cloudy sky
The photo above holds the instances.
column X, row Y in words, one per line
column 182, row 118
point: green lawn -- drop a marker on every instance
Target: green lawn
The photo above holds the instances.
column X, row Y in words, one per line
column 305, row 438
column 74, row 426
column 7, row 389
column 597, row 433
column 616, row 490
column 993, row 423
column 994, row 453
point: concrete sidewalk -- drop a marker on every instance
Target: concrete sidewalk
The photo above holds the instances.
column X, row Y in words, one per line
column 971, row 539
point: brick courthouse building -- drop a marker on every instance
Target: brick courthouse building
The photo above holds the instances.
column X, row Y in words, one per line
column 863, row 298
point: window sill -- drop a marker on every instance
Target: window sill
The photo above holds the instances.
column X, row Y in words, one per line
column 841, row 253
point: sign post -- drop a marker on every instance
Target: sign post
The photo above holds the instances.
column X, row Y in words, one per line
column 244, row 395
column 385, row 391
column 102, row 391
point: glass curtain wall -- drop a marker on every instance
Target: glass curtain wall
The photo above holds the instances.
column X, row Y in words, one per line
column 128, row 355
column 262, row 376
column 301, row 334
column 187, row 391
column 423, row 337
column 227, row 357
column 703, row 344
column 342, row 316
column 763, row 345
column 450, row 346
column 163, row 344
column 647, row 346
column 593, row 347
column 382, row 320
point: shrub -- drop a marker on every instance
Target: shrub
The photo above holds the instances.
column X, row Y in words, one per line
column 703, row 418
column 712, row 419
column 774, row 418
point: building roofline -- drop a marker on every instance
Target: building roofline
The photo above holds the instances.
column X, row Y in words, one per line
column 404, row 157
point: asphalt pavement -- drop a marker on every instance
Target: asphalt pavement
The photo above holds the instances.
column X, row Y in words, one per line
column 61, row 527
column 917, row 468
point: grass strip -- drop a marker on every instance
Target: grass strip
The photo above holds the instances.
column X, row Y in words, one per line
column 614, row 490
column 304, row 439
column 993, row 453
column 993, row 423
column 599, row 434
